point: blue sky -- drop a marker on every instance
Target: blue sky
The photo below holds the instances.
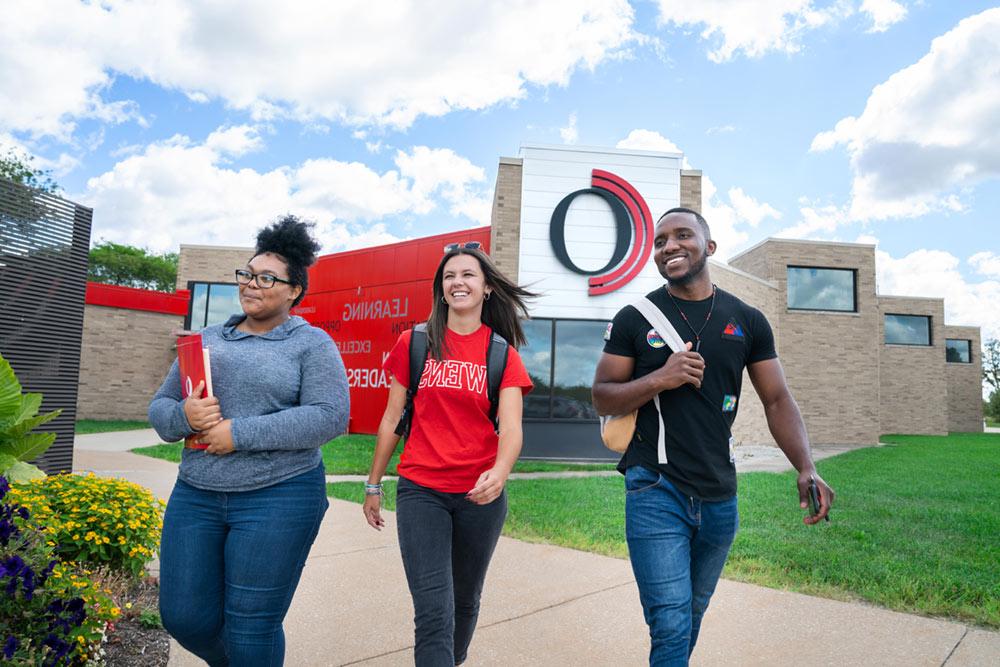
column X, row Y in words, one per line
column 856, row 120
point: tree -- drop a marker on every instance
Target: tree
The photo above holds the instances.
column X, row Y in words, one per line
column 18, row 167
column 991, row 363
column 118, row 264
column 991, row 408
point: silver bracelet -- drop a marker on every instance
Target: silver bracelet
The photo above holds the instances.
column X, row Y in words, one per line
column 373, row 489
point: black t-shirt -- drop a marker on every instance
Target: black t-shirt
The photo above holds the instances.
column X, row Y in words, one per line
column 700, row 461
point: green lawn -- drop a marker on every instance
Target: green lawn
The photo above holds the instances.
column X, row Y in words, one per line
column 352, row 455
column 915, row 527
column 86, row 426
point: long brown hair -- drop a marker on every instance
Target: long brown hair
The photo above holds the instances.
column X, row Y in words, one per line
column 502, row 312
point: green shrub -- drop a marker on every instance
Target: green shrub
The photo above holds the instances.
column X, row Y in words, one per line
column 18, row 417
column 96, row 520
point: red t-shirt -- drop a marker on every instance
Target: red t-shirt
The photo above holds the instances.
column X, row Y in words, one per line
column 452, row 441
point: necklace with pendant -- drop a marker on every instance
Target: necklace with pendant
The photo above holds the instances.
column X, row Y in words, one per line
column 697, row 334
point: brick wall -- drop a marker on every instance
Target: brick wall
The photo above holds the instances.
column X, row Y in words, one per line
column 965, row 398
column 690, row 190
column 505, row 221
column 124, row 358
column 214, row 264
column 914, row 386
column 830, row 358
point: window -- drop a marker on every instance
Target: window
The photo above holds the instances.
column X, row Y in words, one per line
column 561, row 357
column 822, row 289
column 578, row 345
column 212, row 303
column 537, row 357
column 907, row 330
column 958, row 351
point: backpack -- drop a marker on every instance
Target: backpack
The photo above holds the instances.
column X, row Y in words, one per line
column 496, row 363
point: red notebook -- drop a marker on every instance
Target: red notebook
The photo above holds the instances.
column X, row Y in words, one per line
column 193, row 361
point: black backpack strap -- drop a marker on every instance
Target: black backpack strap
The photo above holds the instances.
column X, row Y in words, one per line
column 496, row 363
column 418, row 357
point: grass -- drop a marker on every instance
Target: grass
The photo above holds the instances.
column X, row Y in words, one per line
column 915, row 527
column 87, row 426
column 352, row 455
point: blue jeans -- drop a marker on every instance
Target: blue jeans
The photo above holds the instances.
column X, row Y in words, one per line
column 677, row 545
column 446, row 543
column 229, row 565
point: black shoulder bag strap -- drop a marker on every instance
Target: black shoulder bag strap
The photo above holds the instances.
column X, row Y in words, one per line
column 418, row 357
column 496, row 363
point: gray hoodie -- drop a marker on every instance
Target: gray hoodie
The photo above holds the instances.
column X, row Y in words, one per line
column 285, row 392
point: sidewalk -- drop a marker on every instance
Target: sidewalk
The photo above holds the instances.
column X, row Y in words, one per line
column 554, row 606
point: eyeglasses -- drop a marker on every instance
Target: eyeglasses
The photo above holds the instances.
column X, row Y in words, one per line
column 264, row 280
column 468, row 245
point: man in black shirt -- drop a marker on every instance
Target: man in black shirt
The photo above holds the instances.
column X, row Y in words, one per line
column 680, row 505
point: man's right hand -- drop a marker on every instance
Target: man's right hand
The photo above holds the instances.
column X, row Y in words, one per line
column 685, row 367
column 202, row 413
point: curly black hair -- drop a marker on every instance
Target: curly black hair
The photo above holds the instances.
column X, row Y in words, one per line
column 290, row 239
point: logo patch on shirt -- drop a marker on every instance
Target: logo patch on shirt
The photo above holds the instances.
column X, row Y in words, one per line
column 654, row 339
column 733, row 331
column 728, row 403
column 607, row 332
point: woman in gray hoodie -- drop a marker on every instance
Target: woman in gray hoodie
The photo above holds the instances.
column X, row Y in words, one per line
column 246, row 509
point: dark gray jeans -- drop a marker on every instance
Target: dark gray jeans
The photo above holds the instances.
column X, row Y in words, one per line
column 446, row 542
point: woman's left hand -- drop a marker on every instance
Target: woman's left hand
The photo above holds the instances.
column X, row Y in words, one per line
column 219, row 438
column 488, row 487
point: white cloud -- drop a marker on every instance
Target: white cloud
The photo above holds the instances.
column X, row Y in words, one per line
column 729, row 219
column 720, row 129
column 749, row 209
column 352, row 61
column 930, row 131
column 751, row 27
column 816, row 221
column 883, row 13
column 179, row 191
column 934, row 273
column 234, row 141
column 986, row 263
column 569, row 134
column 648, row 140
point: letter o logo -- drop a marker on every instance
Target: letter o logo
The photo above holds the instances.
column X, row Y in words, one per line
column 633, row 226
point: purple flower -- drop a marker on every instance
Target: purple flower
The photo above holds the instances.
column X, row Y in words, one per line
column 10, row 646
column 4, row 486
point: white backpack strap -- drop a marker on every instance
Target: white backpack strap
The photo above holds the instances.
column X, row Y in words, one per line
column 668, row 333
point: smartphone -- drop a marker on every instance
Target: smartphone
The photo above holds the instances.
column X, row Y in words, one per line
column 814, row 499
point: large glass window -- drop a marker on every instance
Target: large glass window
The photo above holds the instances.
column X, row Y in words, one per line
column 958, row 351
column 578, row 346
column 537, row 357
column 908, row 329
column 212, row 303
column 821, row 289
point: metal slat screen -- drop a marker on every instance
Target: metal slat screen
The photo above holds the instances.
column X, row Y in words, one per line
column 44, row 241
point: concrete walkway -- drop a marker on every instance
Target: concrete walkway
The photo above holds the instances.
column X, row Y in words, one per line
column 553, row 606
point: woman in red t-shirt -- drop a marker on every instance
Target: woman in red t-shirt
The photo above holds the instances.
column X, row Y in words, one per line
column 450, row 499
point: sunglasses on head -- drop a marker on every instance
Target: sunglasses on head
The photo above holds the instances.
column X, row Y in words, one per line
column 468, row 245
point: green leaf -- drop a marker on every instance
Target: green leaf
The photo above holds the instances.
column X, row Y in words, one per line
column 27, row 447
column 6, row 461
column 21, row 428
column 22, row 472
column 10, row 392
column 30, row 404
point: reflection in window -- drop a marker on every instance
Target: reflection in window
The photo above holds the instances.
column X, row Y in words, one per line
column 537, row 357
column 821, row 289
column 958, row 351
column 908, row 329
column 577, row 349
column 212, row 303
